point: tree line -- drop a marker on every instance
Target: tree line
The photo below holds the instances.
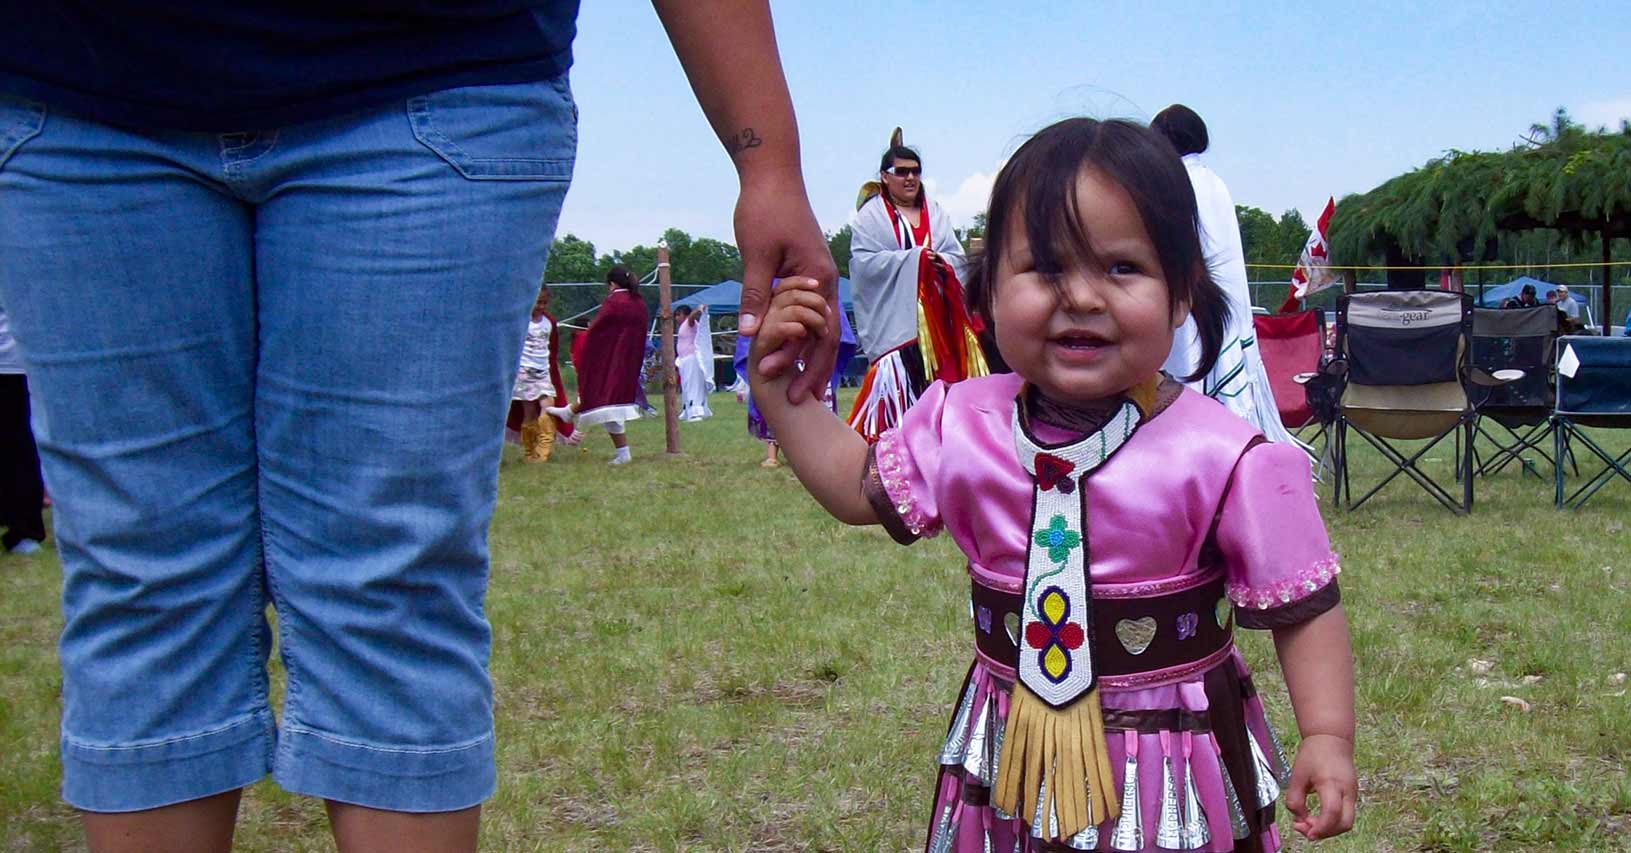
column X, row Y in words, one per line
column 704, row 260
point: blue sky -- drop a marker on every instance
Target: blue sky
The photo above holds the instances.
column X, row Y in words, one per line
column 1303, row 100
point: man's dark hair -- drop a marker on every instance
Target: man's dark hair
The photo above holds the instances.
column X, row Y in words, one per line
column 1183, row 128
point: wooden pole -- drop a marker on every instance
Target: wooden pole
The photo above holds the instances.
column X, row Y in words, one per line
column 665, row 308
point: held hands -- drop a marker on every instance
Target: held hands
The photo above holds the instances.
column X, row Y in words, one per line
column 1325, row 768
column 779, row 237
column 799, row 314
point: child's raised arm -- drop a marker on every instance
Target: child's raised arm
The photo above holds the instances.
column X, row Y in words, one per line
column 828, row 457
column 1317, row 662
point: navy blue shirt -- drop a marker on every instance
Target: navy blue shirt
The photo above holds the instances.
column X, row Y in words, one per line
column 229, row 65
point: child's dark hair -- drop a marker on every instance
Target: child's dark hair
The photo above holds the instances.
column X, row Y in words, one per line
column 1183, row 128
column 623, row 278
column 1036, row 191
column 898, row 152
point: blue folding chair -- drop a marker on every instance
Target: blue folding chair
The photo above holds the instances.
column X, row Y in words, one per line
column 1593, row 390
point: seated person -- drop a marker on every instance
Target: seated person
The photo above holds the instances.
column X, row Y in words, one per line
column 1570, row 309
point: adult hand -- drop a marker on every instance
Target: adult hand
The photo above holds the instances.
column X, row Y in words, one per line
column 779, row 238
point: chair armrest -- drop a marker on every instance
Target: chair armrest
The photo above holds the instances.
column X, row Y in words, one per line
column 1494, row 379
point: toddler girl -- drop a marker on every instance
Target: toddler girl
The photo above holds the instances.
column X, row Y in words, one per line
column 1117, row 526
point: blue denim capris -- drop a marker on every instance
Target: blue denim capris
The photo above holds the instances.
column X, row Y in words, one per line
column 271, row 368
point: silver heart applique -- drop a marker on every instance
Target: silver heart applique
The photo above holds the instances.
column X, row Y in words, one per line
column 1010, row 620
column 1136, row 634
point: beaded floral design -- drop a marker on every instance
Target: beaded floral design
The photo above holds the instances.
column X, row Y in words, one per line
column 892, row 471
column 1054, row 636
column 1058, row 538
column 1294, row 588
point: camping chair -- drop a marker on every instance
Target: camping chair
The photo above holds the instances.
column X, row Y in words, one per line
column 1402, row 359
column 1293, row 351
column 1515, row 416
column 1593, row 390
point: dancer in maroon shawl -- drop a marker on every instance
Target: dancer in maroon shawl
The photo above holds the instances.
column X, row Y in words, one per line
column 609, row 372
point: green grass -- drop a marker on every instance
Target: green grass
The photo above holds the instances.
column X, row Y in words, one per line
column 690, row 655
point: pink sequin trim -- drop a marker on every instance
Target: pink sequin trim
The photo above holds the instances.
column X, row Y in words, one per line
column 892, row 471
column 1295, row 588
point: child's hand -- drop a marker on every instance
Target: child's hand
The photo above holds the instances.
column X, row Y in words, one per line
column 1324, row 767
column 797, row 311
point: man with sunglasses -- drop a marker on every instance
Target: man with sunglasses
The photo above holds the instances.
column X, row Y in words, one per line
column 906, row 267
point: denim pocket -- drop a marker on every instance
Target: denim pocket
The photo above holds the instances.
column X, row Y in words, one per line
column 506, row 132
column 20, row 121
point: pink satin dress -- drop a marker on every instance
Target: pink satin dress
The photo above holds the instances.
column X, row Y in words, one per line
column 951, row 466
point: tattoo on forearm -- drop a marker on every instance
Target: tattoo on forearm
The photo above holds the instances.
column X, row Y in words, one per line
column 742, row 140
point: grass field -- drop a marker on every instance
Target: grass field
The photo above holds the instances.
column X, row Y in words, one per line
column 690, row 655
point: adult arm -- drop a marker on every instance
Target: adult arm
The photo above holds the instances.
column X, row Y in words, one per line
column 728, row 50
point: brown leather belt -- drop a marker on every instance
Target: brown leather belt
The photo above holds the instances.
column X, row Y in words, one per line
column 1164, row 635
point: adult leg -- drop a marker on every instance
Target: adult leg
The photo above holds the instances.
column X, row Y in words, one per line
column 204, row 825
column 616, row 431
column 395, row 281
column 358, row 829
column 128, row 281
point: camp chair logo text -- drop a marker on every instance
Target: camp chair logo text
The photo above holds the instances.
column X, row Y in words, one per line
column 1405, row 318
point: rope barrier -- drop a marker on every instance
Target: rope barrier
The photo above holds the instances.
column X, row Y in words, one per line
column 1572, row 265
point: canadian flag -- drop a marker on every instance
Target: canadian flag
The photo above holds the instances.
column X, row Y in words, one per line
column 1313, row 271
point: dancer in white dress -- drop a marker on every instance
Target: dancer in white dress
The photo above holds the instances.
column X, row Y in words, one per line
column 1238, row 380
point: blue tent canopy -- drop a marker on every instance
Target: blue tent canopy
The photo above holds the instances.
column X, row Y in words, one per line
column 1495, row 294
column 726, row 296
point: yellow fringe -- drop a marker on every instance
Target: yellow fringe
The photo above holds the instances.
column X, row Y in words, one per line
column 925, row 344
column 1063, row 749
column 976, row 356
column 1143, row 394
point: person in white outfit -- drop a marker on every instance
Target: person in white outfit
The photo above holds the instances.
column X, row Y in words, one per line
column 1238, row 380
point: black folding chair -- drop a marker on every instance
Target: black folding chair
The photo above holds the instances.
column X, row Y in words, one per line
column 1593, row 390
column 1402, row 357
column 1516, row 417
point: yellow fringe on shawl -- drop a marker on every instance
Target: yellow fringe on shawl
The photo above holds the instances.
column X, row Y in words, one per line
column 1062, row 750
column 976, row 356
column 974, row 363
column 925, row 344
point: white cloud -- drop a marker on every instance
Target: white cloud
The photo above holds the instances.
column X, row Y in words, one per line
column 1607, row 113
column 972, row 194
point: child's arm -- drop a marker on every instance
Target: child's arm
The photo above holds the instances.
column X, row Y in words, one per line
column 1318, row 666
column 828, row 457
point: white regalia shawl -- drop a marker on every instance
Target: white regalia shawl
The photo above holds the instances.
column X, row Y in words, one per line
column 883, row 270
column 1238, row 380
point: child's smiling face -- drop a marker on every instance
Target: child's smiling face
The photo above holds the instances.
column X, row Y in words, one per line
column 1094, row 330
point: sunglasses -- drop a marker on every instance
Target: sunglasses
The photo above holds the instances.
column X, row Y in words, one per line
column 905, row 171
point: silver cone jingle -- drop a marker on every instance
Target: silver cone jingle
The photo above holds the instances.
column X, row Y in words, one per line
column 1129, row 831
column 1268, row 790
column 1168, row 832
column 1195, row 834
